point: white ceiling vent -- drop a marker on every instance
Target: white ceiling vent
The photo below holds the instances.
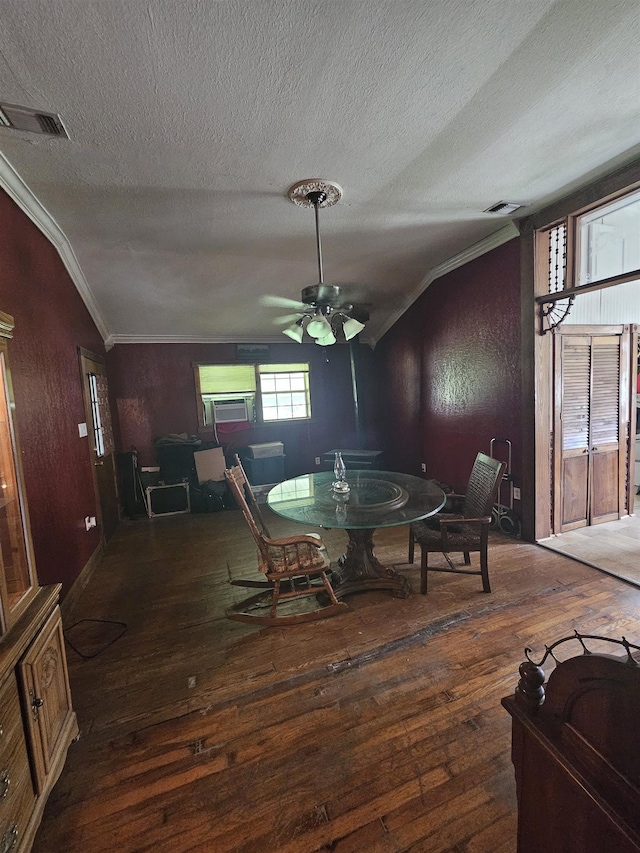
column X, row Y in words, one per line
column 504, row 208
column 34, row 121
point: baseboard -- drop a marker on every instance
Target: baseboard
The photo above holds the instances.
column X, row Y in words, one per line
column 71, row 598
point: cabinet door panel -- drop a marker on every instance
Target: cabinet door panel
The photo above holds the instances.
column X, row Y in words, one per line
column 46, row 687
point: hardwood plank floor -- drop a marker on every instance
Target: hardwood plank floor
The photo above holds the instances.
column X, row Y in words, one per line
column 378, row 730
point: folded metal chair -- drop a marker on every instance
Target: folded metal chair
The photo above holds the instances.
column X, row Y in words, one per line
column 290, row 564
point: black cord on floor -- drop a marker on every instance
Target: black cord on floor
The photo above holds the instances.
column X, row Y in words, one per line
column 123, row 625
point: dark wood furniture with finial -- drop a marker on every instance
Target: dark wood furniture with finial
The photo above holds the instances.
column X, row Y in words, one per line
column 576, row 753
column 461, row 532
column 37, row 722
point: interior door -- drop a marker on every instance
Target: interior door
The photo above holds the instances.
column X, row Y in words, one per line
column 592, row 416
column 573, row 411
column 100, row 434
column 605, row 436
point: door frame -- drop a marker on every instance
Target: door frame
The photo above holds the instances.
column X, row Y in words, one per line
column 536, row 347
column 83, row 356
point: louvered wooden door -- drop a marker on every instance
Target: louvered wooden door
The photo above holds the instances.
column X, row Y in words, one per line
column 591, row 426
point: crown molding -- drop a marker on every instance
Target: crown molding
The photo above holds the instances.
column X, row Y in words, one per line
column 112, row 340
column 17, row 190
column 508, row 232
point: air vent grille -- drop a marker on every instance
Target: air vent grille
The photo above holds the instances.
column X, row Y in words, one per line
column 504, row 208
column 33, row 121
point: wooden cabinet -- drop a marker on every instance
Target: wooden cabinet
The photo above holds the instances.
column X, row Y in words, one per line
column 576, row 755
column 37, row 722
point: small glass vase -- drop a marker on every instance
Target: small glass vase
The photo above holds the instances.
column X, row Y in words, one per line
column 340, row 471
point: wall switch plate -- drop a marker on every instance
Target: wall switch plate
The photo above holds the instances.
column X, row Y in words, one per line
column 317, row 460
column 516, row 493
column 82, row 430
column 89, row 522
column 423, row 467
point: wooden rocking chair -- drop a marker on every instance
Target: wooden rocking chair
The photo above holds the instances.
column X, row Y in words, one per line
column 289, row 564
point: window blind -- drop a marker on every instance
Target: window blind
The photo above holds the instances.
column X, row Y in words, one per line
column 227, row 378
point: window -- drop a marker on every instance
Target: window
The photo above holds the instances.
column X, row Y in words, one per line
column 258, row 393
column 609, row 240
column 284, row 390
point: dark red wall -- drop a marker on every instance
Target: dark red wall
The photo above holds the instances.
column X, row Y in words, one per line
column 51, row 321
column 154, row 391
column 450, row 371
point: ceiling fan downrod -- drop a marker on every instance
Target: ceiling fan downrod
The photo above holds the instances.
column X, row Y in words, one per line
column 318, row 197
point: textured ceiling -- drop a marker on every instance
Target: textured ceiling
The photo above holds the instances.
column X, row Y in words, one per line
column 189, row 119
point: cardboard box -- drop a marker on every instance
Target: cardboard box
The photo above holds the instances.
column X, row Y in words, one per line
column 210, row 464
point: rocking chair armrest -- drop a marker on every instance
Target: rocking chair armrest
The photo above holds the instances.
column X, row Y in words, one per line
column 464, row 520
column 301, row 539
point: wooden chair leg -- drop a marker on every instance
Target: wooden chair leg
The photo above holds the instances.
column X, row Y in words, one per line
column 424, row 567
column 467, row 559
column 484, row 568
column 327, row 585
column 274, row 600
column 412, row 545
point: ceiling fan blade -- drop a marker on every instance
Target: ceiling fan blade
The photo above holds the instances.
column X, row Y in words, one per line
column 281, row 302
column 287, row 318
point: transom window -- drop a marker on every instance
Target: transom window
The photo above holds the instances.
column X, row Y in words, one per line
column 258, row 393
column 609, row 240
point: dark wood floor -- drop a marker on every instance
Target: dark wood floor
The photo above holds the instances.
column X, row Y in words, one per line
column 378, row 730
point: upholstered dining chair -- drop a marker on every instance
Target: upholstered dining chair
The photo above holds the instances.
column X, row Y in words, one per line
column 464, row 531
column 293, row 565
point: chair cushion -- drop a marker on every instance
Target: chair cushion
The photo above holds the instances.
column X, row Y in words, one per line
column 462, row 538
column 287, row 558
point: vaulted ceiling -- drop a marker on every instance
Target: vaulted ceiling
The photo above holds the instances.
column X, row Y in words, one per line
column 189, row 119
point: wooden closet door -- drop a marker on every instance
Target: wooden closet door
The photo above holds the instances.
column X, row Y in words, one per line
column 605, row 439
column 572, row 401
column 589, row 401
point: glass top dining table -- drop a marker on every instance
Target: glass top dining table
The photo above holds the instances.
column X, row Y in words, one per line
column 375, row 499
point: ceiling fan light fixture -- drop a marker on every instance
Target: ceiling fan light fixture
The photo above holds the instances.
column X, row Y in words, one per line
column 351, row 328
column 295, row 331
column 319, row 327
column 321, row 302
column 327, row 341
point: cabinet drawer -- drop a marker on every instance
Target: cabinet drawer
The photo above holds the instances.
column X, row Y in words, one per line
column 16, row 788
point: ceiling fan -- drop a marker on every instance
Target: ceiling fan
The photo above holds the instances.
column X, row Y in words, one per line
column 321, row 310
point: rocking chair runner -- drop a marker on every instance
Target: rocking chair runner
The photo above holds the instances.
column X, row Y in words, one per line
column 290, row 562
column 466, row 531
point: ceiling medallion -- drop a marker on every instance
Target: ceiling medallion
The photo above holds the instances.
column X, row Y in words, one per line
column 299, row 192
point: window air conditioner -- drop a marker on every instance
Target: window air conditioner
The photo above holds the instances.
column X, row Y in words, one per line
column 230, row 411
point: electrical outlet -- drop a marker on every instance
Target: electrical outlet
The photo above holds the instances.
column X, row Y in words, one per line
column 423, row 467
column 516, row 493
column 317, row 460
